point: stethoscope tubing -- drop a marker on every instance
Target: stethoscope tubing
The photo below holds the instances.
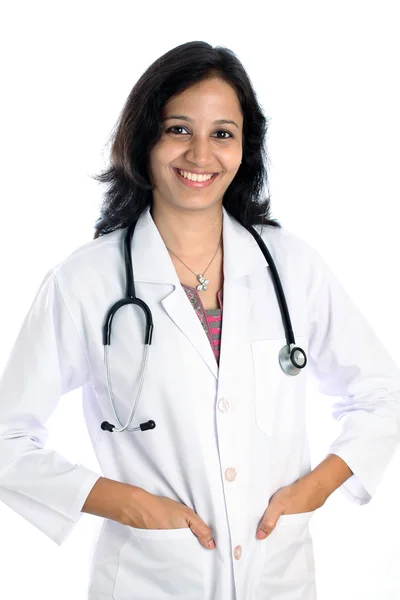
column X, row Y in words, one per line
column 292, row 358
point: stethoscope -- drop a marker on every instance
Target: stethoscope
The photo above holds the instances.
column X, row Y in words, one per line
column 292, row 358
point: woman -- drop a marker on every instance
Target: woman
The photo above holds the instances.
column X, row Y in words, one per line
column 224, row 454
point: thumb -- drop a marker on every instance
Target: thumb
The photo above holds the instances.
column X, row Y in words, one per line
column 269, row 521
column 202, row 532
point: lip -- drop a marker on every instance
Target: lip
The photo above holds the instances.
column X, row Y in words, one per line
column 195, row 184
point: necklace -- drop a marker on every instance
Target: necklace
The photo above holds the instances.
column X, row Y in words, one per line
column 200, row 277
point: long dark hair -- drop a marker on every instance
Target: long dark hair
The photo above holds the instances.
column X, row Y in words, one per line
column 138, row 129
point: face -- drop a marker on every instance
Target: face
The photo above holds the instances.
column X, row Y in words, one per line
column 196, row 143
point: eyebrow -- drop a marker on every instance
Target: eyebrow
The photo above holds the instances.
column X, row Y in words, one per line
column 183, row 118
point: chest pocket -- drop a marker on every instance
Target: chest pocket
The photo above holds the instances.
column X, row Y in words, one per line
column 279, row 398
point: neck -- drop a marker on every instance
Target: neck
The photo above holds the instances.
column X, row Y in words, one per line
column 189, row 234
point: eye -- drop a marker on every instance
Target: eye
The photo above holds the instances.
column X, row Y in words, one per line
column 175, row 127
column 224, row 131
column 219, row 131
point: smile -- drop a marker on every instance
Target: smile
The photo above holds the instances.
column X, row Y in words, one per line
column 192, row 183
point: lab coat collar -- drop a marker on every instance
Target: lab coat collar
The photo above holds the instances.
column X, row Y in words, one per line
column 152, row 262
column 242, row 255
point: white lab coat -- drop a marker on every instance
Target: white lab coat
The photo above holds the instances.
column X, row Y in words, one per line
column 246, row 415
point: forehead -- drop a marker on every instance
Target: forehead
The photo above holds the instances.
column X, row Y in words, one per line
column 210, row 97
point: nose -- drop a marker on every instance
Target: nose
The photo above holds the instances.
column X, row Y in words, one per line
column 200, row 151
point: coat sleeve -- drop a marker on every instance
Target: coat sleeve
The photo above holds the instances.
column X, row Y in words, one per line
column 349, row 361
column 47, row 360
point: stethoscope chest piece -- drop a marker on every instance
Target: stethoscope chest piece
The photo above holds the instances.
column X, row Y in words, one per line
column 292, row 359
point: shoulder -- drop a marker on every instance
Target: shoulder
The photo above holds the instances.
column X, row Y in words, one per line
column 89, row 263
column 96, row 251
column 296, row 260
column 284, row 243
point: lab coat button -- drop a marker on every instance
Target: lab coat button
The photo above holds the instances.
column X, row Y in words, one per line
column 223, row 405
column 237, row 553
column 230, row 474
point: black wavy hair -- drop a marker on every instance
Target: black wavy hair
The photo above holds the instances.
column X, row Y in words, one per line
column 138, row 129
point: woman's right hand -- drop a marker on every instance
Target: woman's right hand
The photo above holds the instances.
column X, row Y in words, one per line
column 144, row 510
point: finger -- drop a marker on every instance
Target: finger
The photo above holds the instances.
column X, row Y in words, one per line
column 203, row 534
column 267, row 524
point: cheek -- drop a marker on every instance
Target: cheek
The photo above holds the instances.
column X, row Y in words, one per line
column 155, row 163
column 234, row 168
column 163, row 155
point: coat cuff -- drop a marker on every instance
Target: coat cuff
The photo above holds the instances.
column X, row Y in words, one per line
column 66, row 528
column 54, row 524
column 368, row 462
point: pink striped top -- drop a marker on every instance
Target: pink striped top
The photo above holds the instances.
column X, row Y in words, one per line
column 211, row 320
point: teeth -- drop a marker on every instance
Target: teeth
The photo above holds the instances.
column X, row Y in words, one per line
column 193, row 176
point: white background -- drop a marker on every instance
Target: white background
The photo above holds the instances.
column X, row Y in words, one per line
column 326, row 75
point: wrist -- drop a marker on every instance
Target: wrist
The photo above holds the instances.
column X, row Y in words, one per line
column 132, row 499
column 314, row 487
column 330, row 474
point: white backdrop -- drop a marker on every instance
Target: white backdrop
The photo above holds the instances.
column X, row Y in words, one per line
column 326, row 74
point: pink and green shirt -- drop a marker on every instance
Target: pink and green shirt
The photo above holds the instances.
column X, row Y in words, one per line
column 211, row 319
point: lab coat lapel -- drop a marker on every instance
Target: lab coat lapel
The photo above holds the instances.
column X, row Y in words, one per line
column 242, row 256
column 152, row 264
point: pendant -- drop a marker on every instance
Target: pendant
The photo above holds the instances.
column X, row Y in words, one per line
column 203, row 283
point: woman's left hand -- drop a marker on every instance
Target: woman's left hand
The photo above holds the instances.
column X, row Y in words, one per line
column 298, row 497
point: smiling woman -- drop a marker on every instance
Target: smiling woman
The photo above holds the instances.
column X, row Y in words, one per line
column 196, row 145
column 218, row 444
column 201, row 115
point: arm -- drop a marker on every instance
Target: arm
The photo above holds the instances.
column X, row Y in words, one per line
column 47, row 361
column 109, row 498
column 330, row 474
column 349, row 361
